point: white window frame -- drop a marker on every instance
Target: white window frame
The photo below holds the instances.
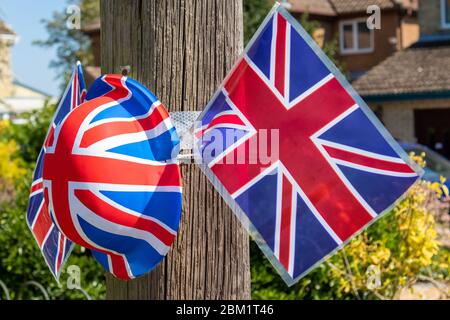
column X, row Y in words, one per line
column 444, row 23
column 355, row 49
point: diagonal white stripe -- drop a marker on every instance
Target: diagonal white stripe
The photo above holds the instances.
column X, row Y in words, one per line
column 127, row 138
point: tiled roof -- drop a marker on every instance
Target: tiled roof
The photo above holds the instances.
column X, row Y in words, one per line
column 415, row 70
column 319, row 7
column 351, row 6
column 5, row 29
column 336, row 7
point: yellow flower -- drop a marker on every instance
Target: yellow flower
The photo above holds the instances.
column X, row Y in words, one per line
column 11, row 168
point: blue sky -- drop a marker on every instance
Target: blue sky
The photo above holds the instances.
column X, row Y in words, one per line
column 30, row 62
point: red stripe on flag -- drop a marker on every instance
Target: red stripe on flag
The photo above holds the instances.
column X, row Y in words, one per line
column 36, row 187
column 119, row 91
column 42, row 225
column 280, row 55
column 50, row 137
column 118, row 266
column 83, row 96
column 61, row 249
column 226, row 119
column 285, row 225
column 368, row 161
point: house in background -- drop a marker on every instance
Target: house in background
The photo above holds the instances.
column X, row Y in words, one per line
column 15, row 97
column 411, row 89
column 345, row 20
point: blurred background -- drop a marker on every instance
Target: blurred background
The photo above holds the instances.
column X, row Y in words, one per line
column 396, row 53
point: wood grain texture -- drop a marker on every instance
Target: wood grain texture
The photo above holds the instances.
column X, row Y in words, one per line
column 182, row 50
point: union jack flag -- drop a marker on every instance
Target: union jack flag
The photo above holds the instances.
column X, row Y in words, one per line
column 55, row 247
column 111, row 179
column 335, row 169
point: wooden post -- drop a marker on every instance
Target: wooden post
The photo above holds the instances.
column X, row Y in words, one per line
column 181, row 50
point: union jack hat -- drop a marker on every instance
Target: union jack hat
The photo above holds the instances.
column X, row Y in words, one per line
column 111, row 179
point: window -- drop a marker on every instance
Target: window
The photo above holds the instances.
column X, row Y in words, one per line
column 445, row 14
column 355, row 37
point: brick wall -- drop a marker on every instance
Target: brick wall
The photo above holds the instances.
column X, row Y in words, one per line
column 430, row 17
column 398, row 117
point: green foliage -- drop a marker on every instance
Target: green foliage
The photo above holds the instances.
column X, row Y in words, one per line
column 20, row 258
column 11, row 165
column 29, row 135
column 394, row 253
column 71, row 44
